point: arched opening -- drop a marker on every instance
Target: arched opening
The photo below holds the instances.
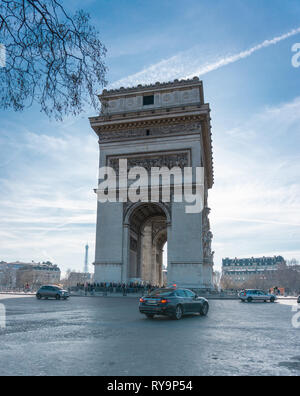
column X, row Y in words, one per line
column 148, row 236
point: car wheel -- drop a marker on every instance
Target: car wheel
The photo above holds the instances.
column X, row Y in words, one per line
column 38, row 296
column 57, row 297
column 150, row 316
column 272, row 299
column 204, row 309
column 178, row 312
column 249, row 299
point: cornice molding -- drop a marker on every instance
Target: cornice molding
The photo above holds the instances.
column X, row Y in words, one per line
column 147, row 123
column 144, row 115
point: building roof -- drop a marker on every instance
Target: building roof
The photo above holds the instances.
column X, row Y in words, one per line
column 252, row 261
column 151, row 87
column 45, row 266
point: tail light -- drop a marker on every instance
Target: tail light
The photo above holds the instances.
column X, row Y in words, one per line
column 142, row 300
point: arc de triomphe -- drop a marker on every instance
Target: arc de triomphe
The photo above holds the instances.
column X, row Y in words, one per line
column 155, row 125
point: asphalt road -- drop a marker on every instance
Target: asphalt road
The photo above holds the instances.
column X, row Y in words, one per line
column 108, row 336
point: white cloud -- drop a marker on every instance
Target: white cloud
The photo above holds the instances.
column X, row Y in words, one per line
column 255, row 200
column 48, row 208
column 188, row 64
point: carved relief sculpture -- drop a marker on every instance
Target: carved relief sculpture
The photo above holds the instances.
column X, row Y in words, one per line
column 207, row 237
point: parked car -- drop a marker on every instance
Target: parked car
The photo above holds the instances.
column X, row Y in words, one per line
column 49, row 291
column 256, row 295
column 173, row 303
column 298, row 300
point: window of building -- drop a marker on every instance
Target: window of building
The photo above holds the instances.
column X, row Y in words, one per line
column 148, row 100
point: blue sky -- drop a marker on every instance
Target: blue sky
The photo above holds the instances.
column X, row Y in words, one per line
column 48, row 170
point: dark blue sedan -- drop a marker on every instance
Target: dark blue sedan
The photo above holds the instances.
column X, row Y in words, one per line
column 173, row 303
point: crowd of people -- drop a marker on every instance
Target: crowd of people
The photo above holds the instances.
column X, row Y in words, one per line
column 112, row 287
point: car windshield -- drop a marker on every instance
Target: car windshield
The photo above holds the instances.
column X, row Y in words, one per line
column 161, row 292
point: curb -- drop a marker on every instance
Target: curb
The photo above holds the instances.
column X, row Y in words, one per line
column 232, row 298
column 18, row 294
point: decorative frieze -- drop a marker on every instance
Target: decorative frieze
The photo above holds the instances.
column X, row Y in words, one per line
column 180, row 160
column 162, row 130
column 175, row 97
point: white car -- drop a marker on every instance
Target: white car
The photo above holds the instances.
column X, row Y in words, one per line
column 256, row 295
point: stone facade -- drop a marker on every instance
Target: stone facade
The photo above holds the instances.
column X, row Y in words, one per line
column 242, row 270
column 17, row 274
column 159, row 125
column 37, row 274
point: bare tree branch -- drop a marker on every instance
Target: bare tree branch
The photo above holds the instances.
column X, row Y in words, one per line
column 51, row 58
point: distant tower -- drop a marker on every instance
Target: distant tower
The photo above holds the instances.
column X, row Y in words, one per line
column 86, row 260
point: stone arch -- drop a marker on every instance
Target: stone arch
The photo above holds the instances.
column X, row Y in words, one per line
column 132, row 207
column 148, row 229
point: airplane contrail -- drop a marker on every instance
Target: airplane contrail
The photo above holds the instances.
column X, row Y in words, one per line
column 244, row 54
column 185, row 65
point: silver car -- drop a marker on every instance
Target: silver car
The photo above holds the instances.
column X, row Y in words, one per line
column 50, row 291
column 256, row 295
